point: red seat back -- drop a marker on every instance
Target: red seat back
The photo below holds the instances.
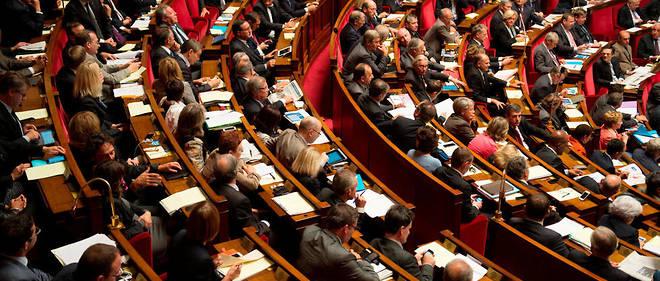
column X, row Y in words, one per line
column 142, row 244
column 589, row 84
column 647, row 90
column 475, row 232
column 342, row 24
column 532, row 75
column 56, row 62
column 183, row 14
column 549, row 6
column 147, row 63
column 486, row 21
column 602, row 23
column 426, row 16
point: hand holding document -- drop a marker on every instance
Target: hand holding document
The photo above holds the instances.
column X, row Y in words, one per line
column 215, row 96
column 253, row 263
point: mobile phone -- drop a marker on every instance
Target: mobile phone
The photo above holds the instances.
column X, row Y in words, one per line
column 584, row 195
column 430, row 252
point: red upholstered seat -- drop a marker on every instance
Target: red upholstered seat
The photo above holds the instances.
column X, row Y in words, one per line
column 474, row 233
column 549, row 6
column 56, row 62
column 64, row 120
column 602, row 23
column 486, row 21
column 142, row 244
column 532, row 75
column 589, row 84
column 188, row 22
column 147, row 63
column 193, row 7
column 342, row 24
column 427, row 16
column 647, row 89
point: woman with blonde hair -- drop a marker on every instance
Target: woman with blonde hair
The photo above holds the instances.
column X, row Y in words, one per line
column 503, row 155
column 168, row 70
column 612, row 122
column 485, row 144
column 189, row 133
column 308, row 169
column 87, row 94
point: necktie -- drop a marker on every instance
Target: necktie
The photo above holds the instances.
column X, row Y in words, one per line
column 554, row 58
column 511, row 33
column 612, row 71
column 586, row 33
column 179, row 33
column 114, row 8
column 570, row 38
column 421, row 77
column 656, row 50
column 97, row 29
column 517, row 136
column 521, row 19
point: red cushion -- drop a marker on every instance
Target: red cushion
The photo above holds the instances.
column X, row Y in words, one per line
column 603, row 27
column 589, row 84
column 427, row 16
column 486, row 21
column 474, row 233
column 549, row 6
column 647, row 89
column 182, row 13
column 142, row 244
column 64, row 120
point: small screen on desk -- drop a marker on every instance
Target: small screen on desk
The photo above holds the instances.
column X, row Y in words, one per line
column 335, row 156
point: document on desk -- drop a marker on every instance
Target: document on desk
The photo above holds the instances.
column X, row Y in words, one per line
column 564, row 194
column 633, row 29
column 471, row 15
column 514, row 93
column 135, row 91
column 138, row 108
column 127, row 47
column 441, row 254
column 478, row 271
column 250, row 152
column 582, row 237
column 215, row 96
column 29, row 56
column 119, row 62
column 141, row 24
column 46, row 171
column 35, row 113
column 538, row 26
column 377, row 204
column 506, row 74
column 322, row 139
column 71, row 253
column 181, row 199
column 293, row 204
column 538, row 172
column 565, row 227
column 250, row 267
column 38, row 46
column 640, row 267
column 408, row 112
column 231, row 10
column 156, row 152
column 596, row 176
column 445, row 108
column 635, row 174
column 628, row 107
column 129, row 55
column 262, row 169
column 134, row 77
column 653, row 245
column 573, row 113
column 222, row 118
column 573, row 125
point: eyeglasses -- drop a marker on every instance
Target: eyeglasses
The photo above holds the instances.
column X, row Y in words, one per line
column 37, row 231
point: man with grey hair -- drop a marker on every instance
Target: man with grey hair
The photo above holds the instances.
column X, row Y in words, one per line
column 603, row 244
column 498, row 16
column 426, row 85
column 457, row 270
column 443, row 31
column 545, row 58
column 415, row 48
column 257, row 88
column 165, row 15
column 403, row 37
column 351, row 33
column 412, row 25
column 290, row 143
column 463, row 122
column 609, row 185
column 623, row 211
column 373, row 107
column 362, row 77
column 370, row 51
column 518, row 169
column 479, row 36
column 243, row 73
column 548, row 84
column 649, row 157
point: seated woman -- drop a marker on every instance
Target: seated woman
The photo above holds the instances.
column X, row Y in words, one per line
column 189, row 258
column 426, row 142
column 189, row 133
column 308, row 169
column 503, row 155
column 551, row 112
column 623, row 210
column 135, row 219
column 612, row 121
column 230, row 142
column 173, row 103
column 168, row 70
column 580, row 137
column 267, row 123
column 82, row 127
column 485, row 144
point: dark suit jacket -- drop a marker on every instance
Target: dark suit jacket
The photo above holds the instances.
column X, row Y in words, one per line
column 542, row 87
column 134, row 8
column 564, row 48
column 19, row 22
column 66, row 274
column 501, row 39
column 293, row 7
column 190, row 260
column 240, row 211
column 239, row 85
column 356, row 89
column 485, row 86
column 376, row 112
column 622, row 230
column 11, row 131
column 645, row 48
column 349, row 36
column 543, row 61
column 188, row 77
column 257, row 60
column 360, row 54
column 601, row 267
column 459, row 6
column 539, row 233
column 11, row 64
column 76, row 12
column 639, row 154
column 653, row 107
column 528, row 16
column 583, row 34
column 402, row 258
column 251, row 107
column 460, row 128
column 603, row 160
column 602, row 73
column 550, row 157
column 279, row 18
column 407, row 64
column 404, row 132
column 64, row 82
column 566, row 5
column 12, row 270
column 157, row 54
column 527, row 130
column 557, row 118
column 455, row 180
column 422, row 86
column 496, row 20
column 624, row 18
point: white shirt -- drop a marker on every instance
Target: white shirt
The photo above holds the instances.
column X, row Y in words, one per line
column 172, row 115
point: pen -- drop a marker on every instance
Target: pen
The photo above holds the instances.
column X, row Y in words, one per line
column 365, row 190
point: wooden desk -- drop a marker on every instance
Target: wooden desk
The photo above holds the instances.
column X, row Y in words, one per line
column 466, row 25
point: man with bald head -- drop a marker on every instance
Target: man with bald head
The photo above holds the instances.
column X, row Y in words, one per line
column 545, row 58
column 623, row 52
column 442, row 32
column 370, row 10
column 455, row 8
column 403, row 37
column 555, row 146
column 649, row 45
column 630, row 15
column 457, row 270
column 290, row 143
column 603, row 244
column 362, row 77
column 610, row 185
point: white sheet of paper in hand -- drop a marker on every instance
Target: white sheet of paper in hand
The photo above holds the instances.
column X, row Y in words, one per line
column 321, row 139
column 71, row 253
column 46, row 171
column 377, row 204
column 249, row 269
column 441, row 254
column 212, row 96
column 506, row 74
column 640, row 267
column 444, row 108
column 39, row 113
column 293, row 204
column 653, row 245
column 137, row 91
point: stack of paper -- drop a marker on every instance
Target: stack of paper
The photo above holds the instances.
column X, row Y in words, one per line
column 377, row 204
column 633, row 29
column 156, row 152
column 289, row 36
column 597, row 177
column 295, row 117
column 640, row 267
column 182, row 199
column 573, row 64
column 35, row 114
column 408, row 112
column 582, row 237
column 134, row 91
column 538, row 26
column 293, row 204
column 573, row 113
column 506, row 74
column 138, row 108
column 46, row 171
column 217, row 30
column 635, row 174
column 405, row 100
column 564, row 194
column 471, row 15
column 71, row 253
column 565, row 227
column 538, row 172
column 39, row 46
column 267, row 173
column 514, row 93
column 29, row 56
column 222, row 118
column 441, row 254
column 141, row 24
column 293, row 90
column 653, row 245
column 322, row 139
column 215, row 96
column 382, row 271
column 231, row 10
column 250, row 152
column 253, row 263
column 629, row 107
column 135, row 76
column 127, row 47
column 573, row 125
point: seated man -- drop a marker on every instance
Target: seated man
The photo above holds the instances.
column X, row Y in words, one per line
column 362, row 77
column 412, row 25
column 19, row 235
column 623, row 52
column 66, row 77
column 461, row 160
column 417, row 47
column 244, row 42
column 191, row 52
column 289, row 143
column 98, row 262
column 370, row 51
column 350, row 34
column 567, row 45
column 258, row 98
column 479, row 36
column 522, row 130
column 603, row 245
column 548, row 84
column 545, row 58
column 423, row 85
column 442, row 32
column 604, row 159
column 581, row 31
column 20, row 21
column 537, row 210
column 498, row 16
column 487, row 88
column 648, row 47
column 403, row 37
column 630, row 15
column 557, row 144
column 527, row 17
column 322, row 256
column 455, row 8
column 611, row 102
column 463, row 122
column 457, row 269
column 372, row 106
column 165, row 15
column 112, row 74
column 622, row 212
column 240, row 208
column 398, row 225
column 648, row 157
column 518, row 169
column 297, row 8
column 607, row 69
column 164, row 45
column 273, row 19
column 404, row 130
column 243, row 73
column 370, row 10
column 580, row 137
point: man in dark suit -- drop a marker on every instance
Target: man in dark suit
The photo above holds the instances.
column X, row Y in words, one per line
column 164, row 46
column 165, row 15
column 479, row 36
column 350, row 34
column 545, row 58
column 135, row 8
column 90, row 14
column 522, row 130
column 19, row 235
column 581, row 31
column 25, row 68
column 423, row 85
column 487, row 88
column 603, row 244
column 463, row 122
column 404, row 130
column 362, row 77
column 653, row 107
column 606, row 69
column 370, row 10
column 649, row 45
column 412, row 25
column 537, row 210
column 191, row 52
column 461, row 160
column 455, row 6
column 630, row 15
column 604, row 159
column 244, row 72
column 258, row 98
column 417, row 47
column 243, row 42
column 98, row 262
column 443, row 31
column 20, row 20
column 526, row 15
column 611, row 102
column 565, row 6
column 518, row 169
column 297, row 8
column 240, row 208
column 568, row 45
column 398, row 224
column 273, row 19
column 498, row 16
column 648, row 157
column 372, row 107
column 369, row 51
column 322, row 256
column 548, row 84
column 557, row 145
column 623, row 211
column 505, row 34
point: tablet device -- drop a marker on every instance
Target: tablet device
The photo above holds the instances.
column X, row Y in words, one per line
column 284, row 51
column 336, row 156
column 55, row 159
column 47, row 137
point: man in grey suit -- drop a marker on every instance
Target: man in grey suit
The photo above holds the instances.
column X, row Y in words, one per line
column 649, row 157
column 18, row 235
column 369, row 51
column 443, row 31
column 463, row 122
column 362, row 77
column 545, row 58
column 322, row 256
column 289, row 143
column 623, row 52
column 398, row 223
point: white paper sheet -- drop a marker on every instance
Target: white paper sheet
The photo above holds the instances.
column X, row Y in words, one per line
column 293, row 204
column 71, row 253
column 182, row 199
